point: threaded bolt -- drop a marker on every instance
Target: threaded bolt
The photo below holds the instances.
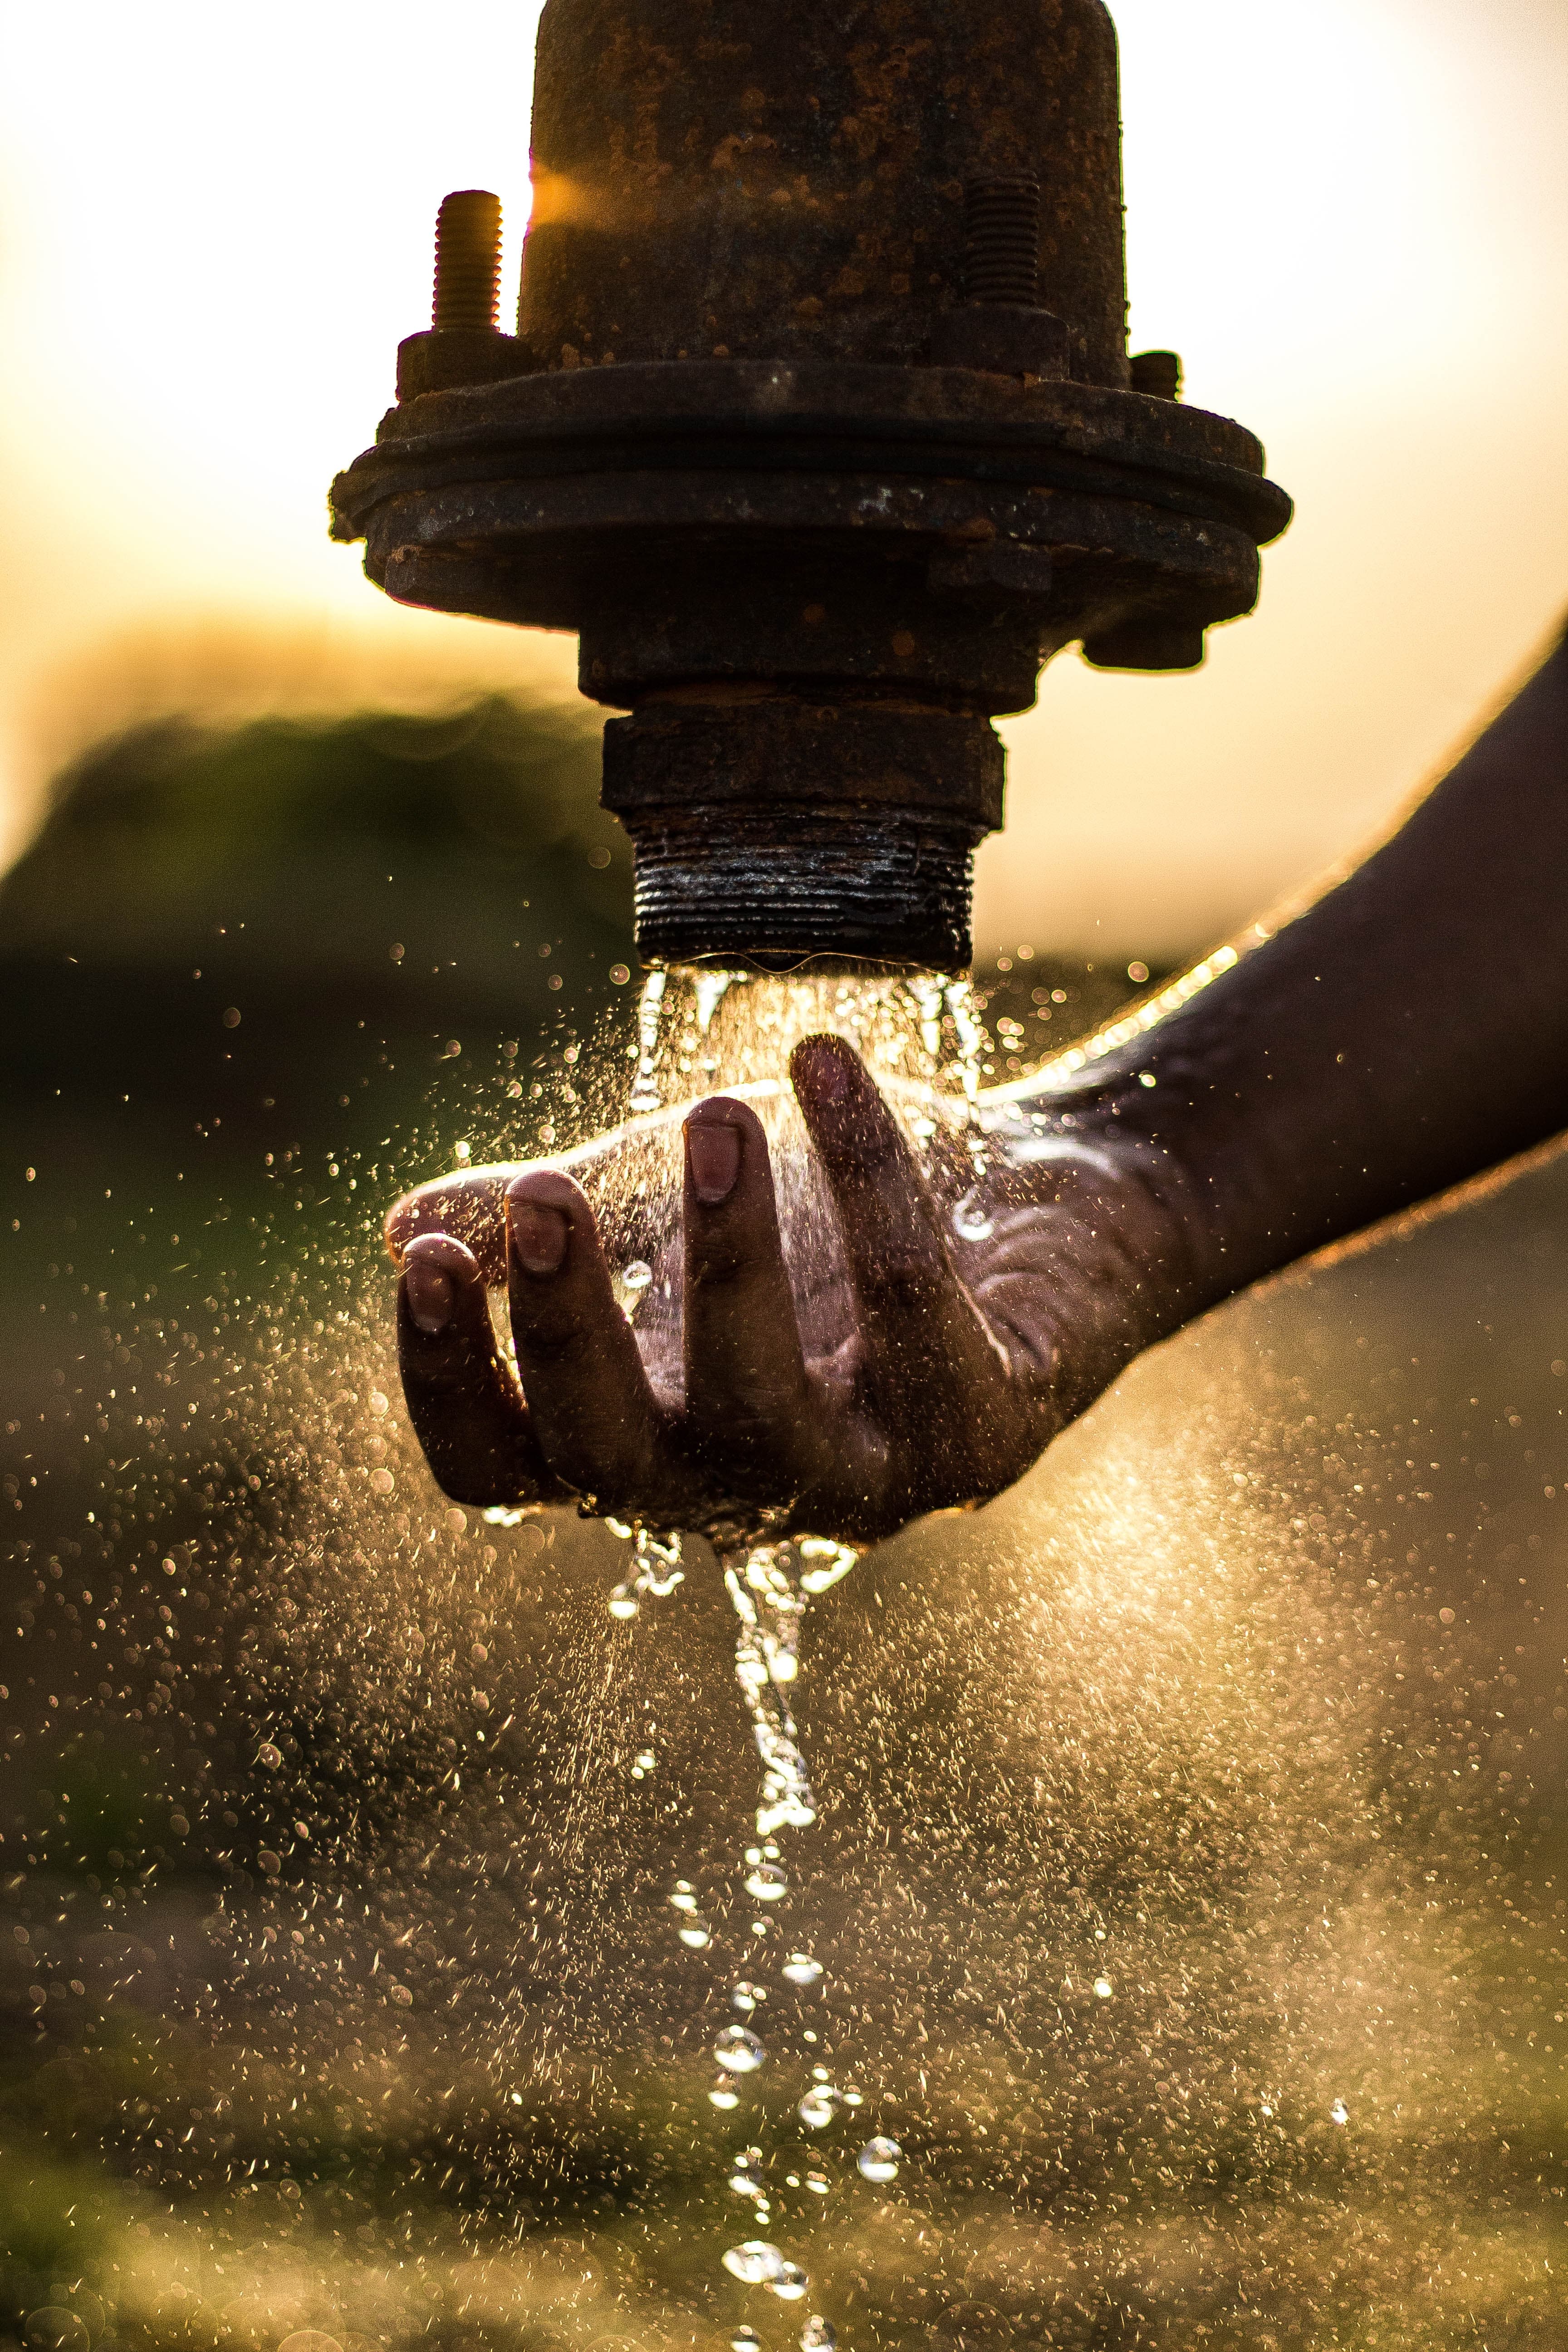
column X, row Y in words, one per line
column 468, row 261
column 1001, row 241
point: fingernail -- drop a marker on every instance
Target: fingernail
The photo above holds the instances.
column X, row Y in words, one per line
column 714, row 1152
column 431, row 1295
column 825, row 1069
column 539, row 1236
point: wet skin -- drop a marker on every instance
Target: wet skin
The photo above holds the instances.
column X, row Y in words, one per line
column 1407, row 1032
column 908, row 1370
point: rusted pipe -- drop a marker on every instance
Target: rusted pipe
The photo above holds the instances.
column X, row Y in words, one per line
column 819, row 430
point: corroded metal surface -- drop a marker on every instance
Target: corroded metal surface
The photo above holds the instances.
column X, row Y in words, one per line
column 889, row 886
column 733, row 519
column 788, row 180
column 820, row 431
column 767, row 819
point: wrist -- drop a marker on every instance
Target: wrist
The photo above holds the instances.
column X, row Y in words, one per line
column 1102, row 1241
column 1168, row 1103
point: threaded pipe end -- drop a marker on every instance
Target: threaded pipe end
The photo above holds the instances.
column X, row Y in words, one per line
column 468, row 261
column 777, row 886
column 1001, row 241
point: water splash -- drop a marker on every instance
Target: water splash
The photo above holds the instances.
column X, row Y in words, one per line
column 971, row 1218
column 739, row 2051
column 647, row 1093
column 657, row 1572
column 755, row 2263
column 765, row 1591
column 709, row 989
column 771, row 1586
column 703, row 1032
column 878, row 2161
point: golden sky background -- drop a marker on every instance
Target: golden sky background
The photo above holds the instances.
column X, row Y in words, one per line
column 1351, row 216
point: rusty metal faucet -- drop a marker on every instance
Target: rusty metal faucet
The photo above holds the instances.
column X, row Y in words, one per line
column 820, row 430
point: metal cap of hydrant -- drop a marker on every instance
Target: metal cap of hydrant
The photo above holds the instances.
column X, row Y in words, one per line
column 820, row 428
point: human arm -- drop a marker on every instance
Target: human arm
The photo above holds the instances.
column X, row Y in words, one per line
column 1406, row 1031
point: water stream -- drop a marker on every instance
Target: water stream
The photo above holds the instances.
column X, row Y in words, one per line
column 903, row 1027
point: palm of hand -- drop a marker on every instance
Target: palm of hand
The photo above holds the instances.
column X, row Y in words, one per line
column 913, row 1362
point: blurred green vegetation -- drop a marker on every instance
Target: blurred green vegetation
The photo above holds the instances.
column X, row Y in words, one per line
column 362, row 896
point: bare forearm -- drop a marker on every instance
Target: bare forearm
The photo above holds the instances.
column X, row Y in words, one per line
column 1407, row 1031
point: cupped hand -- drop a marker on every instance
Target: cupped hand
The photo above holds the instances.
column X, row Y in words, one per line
column 929, row 1331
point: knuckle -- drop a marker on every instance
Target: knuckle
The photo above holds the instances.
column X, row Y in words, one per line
column 548, row 1344
column 720, row 1267
column 553, row 1329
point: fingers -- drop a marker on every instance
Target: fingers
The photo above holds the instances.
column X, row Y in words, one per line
column 917, row 1406
column 462, row 1400
column 936, row 1370
column 470, row 1208
column 470, row 1205
column 748, row 1401
column 598, row 1420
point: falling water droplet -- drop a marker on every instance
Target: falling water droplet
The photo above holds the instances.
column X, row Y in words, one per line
column 723, row 2093
column 879, row 2159
column 745, row 2339
column 927, row 993
column 745, row 1997
column 695, row 1934
column 683, row 1897
column 711, row 987
column 645, row 1094
column 819, row 2106
column 829, row 1563
column 800, row 1969
column 739, row 2051
column 269, row 1755
column 638, row 1274
column 1104, row 1987
column 644, row 1761
column 1338, row 2113
column 623, row 1601
column 972, row 1219
column 818, row 2183
column 755, row 2263
column 790, row 2284
column 819, row 2336
column 767, row 1882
